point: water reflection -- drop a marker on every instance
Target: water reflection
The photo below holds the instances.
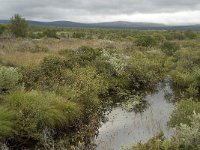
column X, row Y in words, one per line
column 126, row 128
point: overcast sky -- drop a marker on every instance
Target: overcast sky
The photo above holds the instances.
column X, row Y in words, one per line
column 158, row 11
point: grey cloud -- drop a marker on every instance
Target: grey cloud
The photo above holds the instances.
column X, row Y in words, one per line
column 64, row 9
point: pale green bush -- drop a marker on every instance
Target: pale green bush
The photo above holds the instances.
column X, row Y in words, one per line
column 183, row 110
column 189, row 135
column 9, row 77
column 116, row 60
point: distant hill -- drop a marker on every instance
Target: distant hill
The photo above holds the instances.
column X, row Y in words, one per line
column 117, row 24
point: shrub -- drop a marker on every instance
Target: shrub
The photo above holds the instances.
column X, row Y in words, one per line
column 7, row 122
column 51, row 66
column 88, row 81
column 83, row 56
column 146, row 41
column 175, row 35
column 190, row 34
column 169, row 48
column 50, row 33
column 88, row 53
column 2, row 29
column 9, row 77
column 51, row 72
column 182, row 80
column 105, row 68
column 116, row 60
column 36, row 111
column 187, row 56
column 197, row 77
column 184, row 109
column 159, row 37
column 189, row 135
column 18, row 26
column 78, row 35
column 158, row 142
column 144, row 72
column 187, row 81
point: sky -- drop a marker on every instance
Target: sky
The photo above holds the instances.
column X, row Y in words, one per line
column 172, row 12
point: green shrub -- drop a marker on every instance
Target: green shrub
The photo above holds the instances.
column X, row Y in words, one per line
column 36, row 111
column 51, row 72
column 189, row 135
column 144, row 72
column 88, row 81
column 197, row 77
column 82, row 56
column 52, row 65
column 7, row 122
column 105, row 68
column 146, row 41
column 175, row 35
column 36, row 35
column 187, row 56
column 182, row 80
column 19, row 26
column 9, row 78
column 158, row 142
column 50, row 33
column 190, row 34
column 2, row 29
column 184, row 109
column 159, row 37
column 169, row 48
column 78, row 35
column 88, row 53
column 187, row 82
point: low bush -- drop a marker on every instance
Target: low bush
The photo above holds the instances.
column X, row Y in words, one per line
column 50, row 33
column 175, row 35
column 158, row 142
column 144, row 72
column 187, row 82
column 2, row 29
column 189, row 135
column 182, row 80
column 9, row 78
column 146, row 41
column 7, row 122
column 169, row 48
column 184, row 109
column 190, row 34
column 36, row 111
column 78, row 35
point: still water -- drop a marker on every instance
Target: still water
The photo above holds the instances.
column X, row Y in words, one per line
column 124, row 129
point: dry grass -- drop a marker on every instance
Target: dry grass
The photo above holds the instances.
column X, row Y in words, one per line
column 22, row 58
column 10, row 48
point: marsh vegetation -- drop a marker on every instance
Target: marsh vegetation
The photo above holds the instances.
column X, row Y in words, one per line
column 57, row 86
